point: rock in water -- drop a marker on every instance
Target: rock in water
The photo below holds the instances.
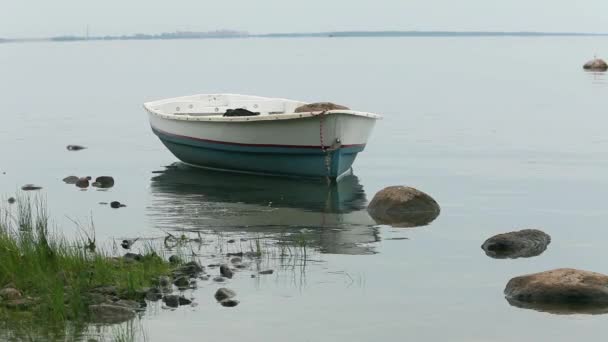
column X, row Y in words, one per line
column 11, row 200
column 563, row 289
column 75, row 147
column 224, row 293
column 116, row 205
column 226, row 271
column 30, row 187
column 229, row 303
column 110, row 314
column 596, row 65
column 402, row 206
column 171, row 300
column 71, row 179
column 521, row 244
column 83, row 182
column 319, row 107
column 267, row 272
column 104, row 182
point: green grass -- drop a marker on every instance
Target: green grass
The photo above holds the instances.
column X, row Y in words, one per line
column 58, row 273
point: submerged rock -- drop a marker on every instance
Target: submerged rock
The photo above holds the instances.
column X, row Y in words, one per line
column 224, row 293
column 267, row 272
column 71, row 179
column 75, row 147
column 30, row 187
column 560, row 289
column 318, row 107
column 402, row 206
column 104, row 182
column 521, row 244
column 110, row 313
column 229, row 303
column 596, row 64
column 219, row 279
column 11, row 200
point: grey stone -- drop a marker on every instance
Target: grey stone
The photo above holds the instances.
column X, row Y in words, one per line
column 224, row 293
column 520, row 244
column 402, row 206
column 226, row 271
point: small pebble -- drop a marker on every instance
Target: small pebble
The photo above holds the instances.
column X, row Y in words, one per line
column 11, row 200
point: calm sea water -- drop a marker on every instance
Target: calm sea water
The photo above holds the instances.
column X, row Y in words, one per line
column 505, row 133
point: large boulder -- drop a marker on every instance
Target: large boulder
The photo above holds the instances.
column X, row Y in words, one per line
column 596, row 64
column 319, row 107
column 402, row 206
column 521, row 244
column 563, row 290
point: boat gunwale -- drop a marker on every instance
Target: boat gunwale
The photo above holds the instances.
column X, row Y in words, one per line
column 268, row 117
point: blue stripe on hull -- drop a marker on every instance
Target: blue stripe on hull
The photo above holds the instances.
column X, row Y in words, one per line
column 273, row 160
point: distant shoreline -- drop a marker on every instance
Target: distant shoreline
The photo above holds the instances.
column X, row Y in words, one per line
column 227, row 34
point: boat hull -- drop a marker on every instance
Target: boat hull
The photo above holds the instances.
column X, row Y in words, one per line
column 319, row 146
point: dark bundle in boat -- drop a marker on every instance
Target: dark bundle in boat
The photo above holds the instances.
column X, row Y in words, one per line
column 240, row 112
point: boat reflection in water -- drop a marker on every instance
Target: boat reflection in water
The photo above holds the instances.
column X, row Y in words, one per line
column 333, row 216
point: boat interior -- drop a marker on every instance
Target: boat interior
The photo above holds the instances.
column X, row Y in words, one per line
column 218, row 104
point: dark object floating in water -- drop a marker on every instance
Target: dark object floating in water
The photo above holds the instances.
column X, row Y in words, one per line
column 240, row 112
column 402, row 206
column 103, row 203
column 30, row 187
column 71, row 179
column 11, row 200
column 267, row 272
column 596, row 64
column 116, row 204
column 397, row 238
column 521, row 244
column 75, row 147
column 319, row 107
column 560, row 291
column 83, row 182
column 104, row 182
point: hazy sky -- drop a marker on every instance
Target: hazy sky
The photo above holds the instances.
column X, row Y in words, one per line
column 34, row 18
